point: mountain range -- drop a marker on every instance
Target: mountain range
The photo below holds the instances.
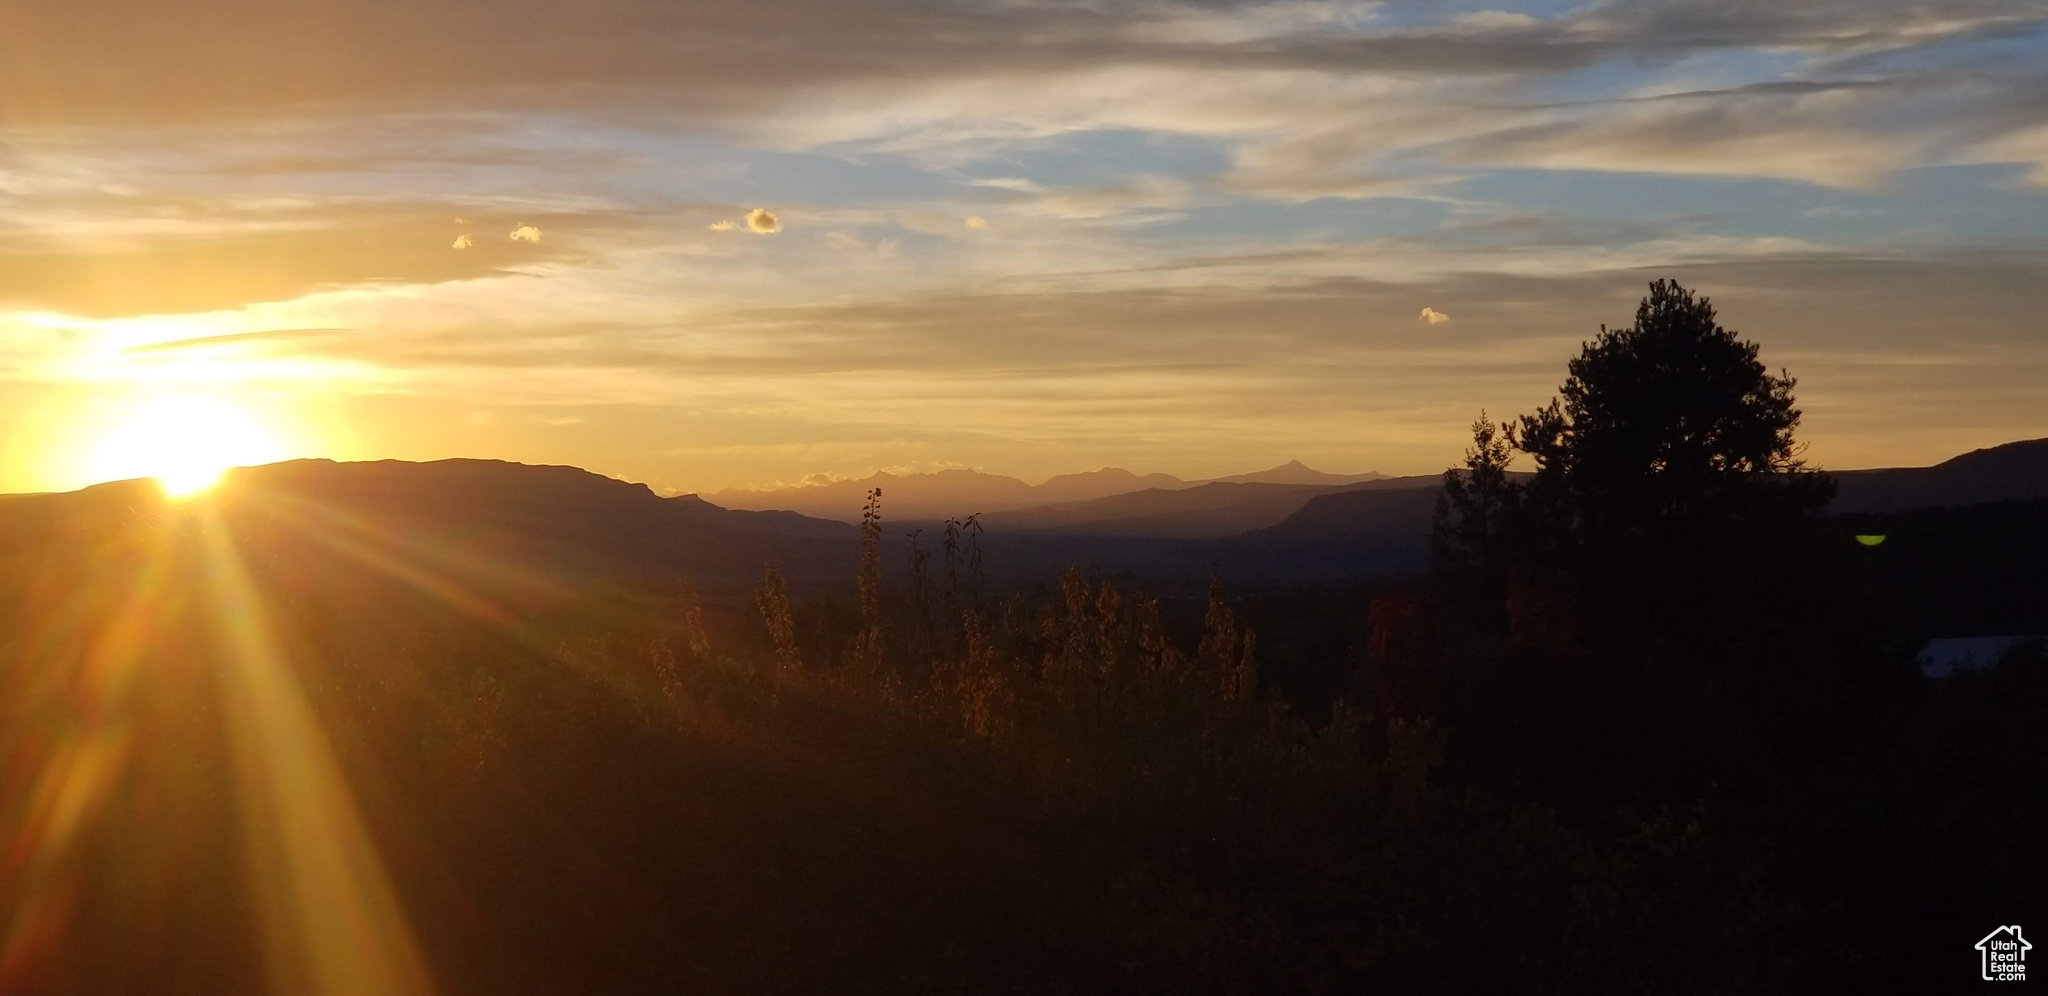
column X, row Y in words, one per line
column 959, row 493
column 490, row 525
column 1390, row 527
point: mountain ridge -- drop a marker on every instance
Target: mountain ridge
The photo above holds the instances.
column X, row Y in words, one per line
column 959, row 492
column 482, row 524
column 475, row 518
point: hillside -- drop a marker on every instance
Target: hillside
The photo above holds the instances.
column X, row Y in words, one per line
column 480, row 523
column 1389, row 527
column 1208, row 510
column 2010, row 472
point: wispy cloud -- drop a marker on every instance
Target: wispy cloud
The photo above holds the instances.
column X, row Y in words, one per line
column 1431, row 316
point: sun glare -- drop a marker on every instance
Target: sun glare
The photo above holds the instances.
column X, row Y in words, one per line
column 185, row 443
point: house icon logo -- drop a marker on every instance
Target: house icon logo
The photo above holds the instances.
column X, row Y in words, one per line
column 2004, row 955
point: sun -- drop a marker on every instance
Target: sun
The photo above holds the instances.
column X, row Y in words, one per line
column 186, row 443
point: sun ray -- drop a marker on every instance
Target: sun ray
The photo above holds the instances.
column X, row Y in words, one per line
column 429, row 564
column 454, row 574
column 74, row 770
column 333, row 924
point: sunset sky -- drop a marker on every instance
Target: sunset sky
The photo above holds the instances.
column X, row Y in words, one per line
column 729, row 243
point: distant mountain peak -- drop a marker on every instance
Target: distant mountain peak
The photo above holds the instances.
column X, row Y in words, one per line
column 1296, row 472
column 935, row 494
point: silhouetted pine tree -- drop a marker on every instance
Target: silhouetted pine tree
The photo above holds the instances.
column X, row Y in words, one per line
column 1667, row 427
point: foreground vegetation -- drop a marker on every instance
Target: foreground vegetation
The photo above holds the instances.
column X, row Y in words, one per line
column 1076, row 790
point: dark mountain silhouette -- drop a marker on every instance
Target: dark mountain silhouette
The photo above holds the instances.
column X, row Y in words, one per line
column 478, row 518
column 479, row 522
column 1207, row 510
column 1296, row 472
column 1387, row 524
column 1271, row 533
column 1097, row 483
column 948, row 493
column 2013, row 471
column 938, row 495
column 1388, row 527
column 1220, row 508
column 68, row 517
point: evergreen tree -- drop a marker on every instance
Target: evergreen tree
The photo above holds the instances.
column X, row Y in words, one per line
column 1669, row 430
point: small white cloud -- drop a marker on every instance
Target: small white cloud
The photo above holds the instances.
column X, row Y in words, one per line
column 462, row 241
column 762, row 221
column 1433, row 316
column 526, row 233
column 725, row 226
column 976, row 221
column 1016, row 183
column 464, row 222
column 1494, row 20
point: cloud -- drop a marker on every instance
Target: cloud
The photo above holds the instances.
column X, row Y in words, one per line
column 725, row 226
column 1140, row 198
column 2026, row 146
column 1433, row 316
column 180, row 257
column 462, row 241
column 976, row 221
column 464, row 222
column 525, row 233
column 951, row 77
column 762, row 221
column 1829, row 136
column 704, row 57
column 254, row 337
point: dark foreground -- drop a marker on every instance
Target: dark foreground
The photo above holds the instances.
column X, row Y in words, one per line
column 1076, row 788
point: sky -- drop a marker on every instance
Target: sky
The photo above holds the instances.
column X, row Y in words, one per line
column 731, row 243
